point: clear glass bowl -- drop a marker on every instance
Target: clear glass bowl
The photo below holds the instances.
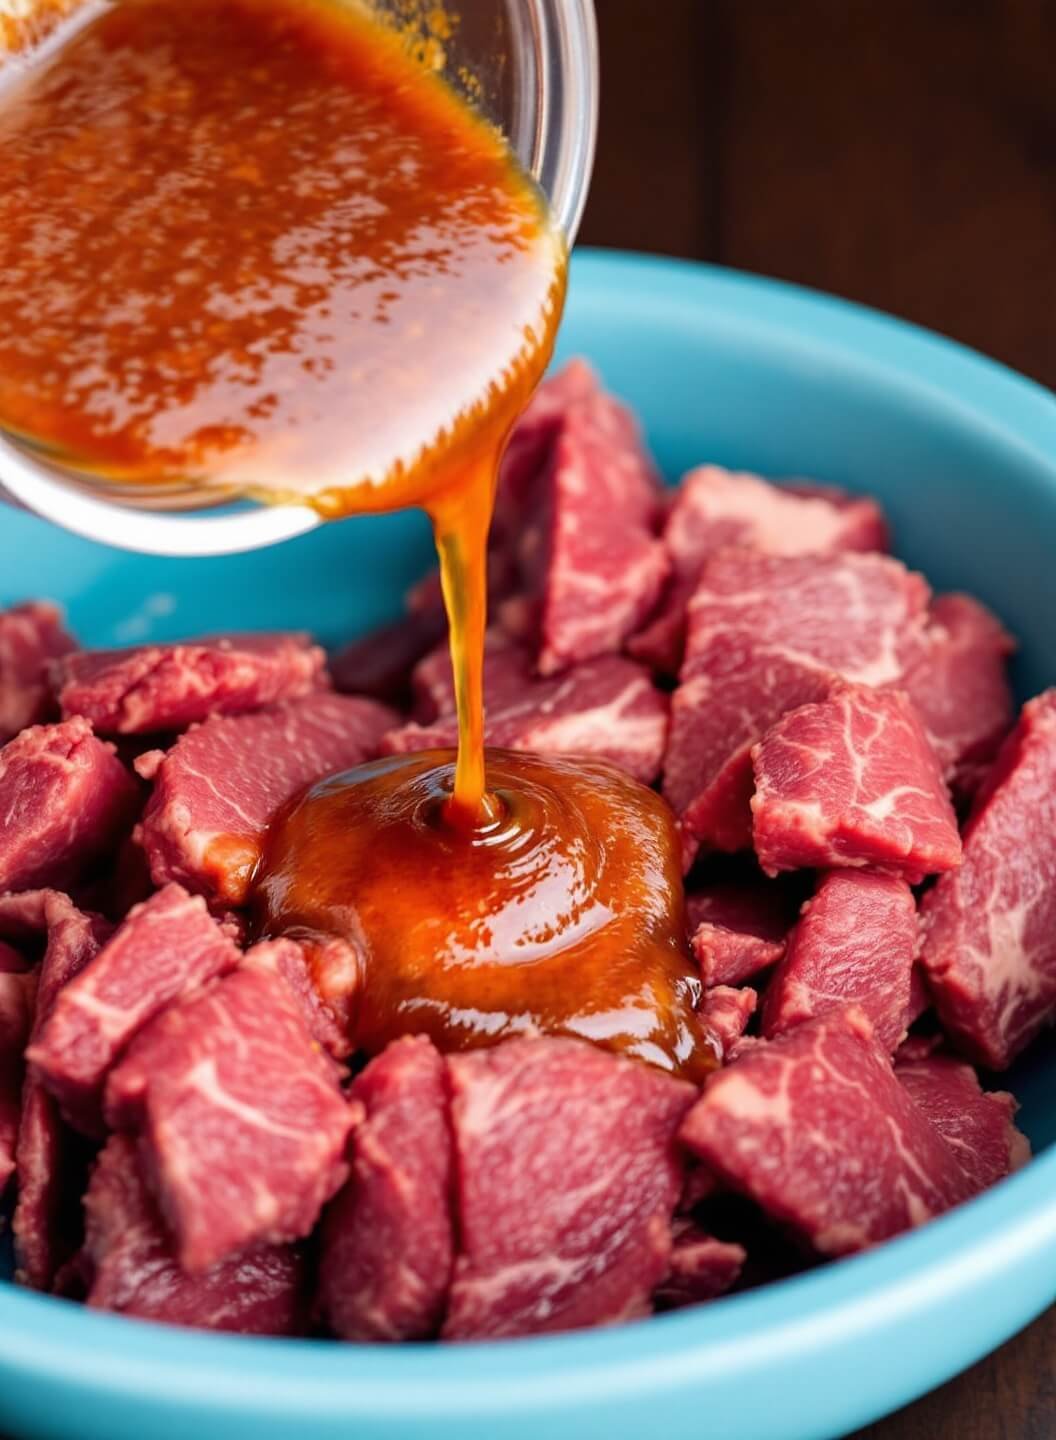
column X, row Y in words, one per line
column 530, row 65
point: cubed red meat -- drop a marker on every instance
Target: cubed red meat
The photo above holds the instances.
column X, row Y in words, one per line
column 989, row 928
column 854, row 944
column 133, row 1269
column 220, row 784
column 575, row 1150
column 241, row 1121
column 65, row 799
column 388, row 1235
column 166, row 687
column 852, row 780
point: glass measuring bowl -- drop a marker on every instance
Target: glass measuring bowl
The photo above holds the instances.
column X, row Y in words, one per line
column 531, row 66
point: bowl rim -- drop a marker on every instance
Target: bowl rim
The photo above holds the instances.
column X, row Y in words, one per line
column 57, row 1342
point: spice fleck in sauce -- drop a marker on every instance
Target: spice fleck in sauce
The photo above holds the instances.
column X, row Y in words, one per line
column 250, row 247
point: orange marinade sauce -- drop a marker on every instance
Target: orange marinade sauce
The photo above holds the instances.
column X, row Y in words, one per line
column 249, row 247
column 563, row 914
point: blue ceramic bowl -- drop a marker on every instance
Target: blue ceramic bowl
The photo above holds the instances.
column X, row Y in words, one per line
column 747, row 373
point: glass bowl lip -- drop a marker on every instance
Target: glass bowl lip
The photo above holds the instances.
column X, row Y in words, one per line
column 562, row 159
column 950, row 1262
column 572, row 82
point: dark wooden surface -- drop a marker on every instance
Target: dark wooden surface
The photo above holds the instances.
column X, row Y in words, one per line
column 901, row 153
column 1009, row 1396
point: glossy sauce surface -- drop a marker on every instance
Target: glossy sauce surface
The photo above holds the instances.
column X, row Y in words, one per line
column 563, row 914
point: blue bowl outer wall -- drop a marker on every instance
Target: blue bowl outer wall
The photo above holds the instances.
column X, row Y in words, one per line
column 745, row 372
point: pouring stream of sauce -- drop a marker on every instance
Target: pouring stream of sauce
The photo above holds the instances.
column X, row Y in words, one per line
column 250, row 248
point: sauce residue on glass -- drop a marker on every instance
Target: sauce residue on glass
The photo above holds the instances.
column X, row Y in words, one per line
column 250, row 247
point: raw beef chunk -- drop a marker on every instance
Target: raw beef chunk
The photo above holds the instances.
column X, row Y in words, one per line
column 388, row 1246
column 852, row 780
column 534, row 433
column 133, row 1269
column 583, row 500
column 701, row 1267
column 31, row 636
column 767, row 633
column 854, row 944
column 16, row 999
column 167, row 687
column 725, row 1012
column 64, row 800
column 976, row 1124
column 960, row 688
column 220, row 784
column 989, row 947
column 508, row 672
column 47, row 1158
column 715, row 507
column 738, row 923
column 379, row 664
column 919, row 995
column 291, row 960
column 608, row 708
column 574, row 1149
column 165, row 948
column 242, row 1125
column 817, row 1130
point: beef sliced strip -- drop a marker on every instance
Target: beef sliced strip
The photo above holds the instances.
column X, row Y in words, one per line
column 574, row 1148
column 989, row 928
column 855, row 944
column 151, row 688
column 961, row 690
column 978, row 1125
column 65, row 799
column 133, row 1269
column 48, row 1158
column 241, row 1122
column 607, row 708
column 715, row 507
column 701, row 1268
column 165, row 948
column 852, row 780
column 217, row 788
column 766, row 634
column 582, row 499
column 738, row 921
column 817, row 1130
column 725, row 1013
column 31, row 636
column 388, row 1236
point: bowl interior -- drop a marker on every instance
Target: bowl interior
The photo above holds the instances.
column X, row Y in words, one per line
column 720, row 368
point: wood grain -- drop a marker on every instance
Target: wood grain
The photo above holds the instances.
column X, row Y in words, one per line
column 899, row 153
